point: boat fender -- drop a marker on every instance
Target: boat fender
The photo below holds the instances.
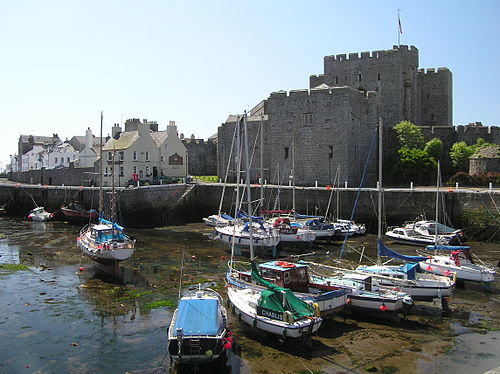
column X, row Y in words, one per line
column 209, row 353
column 317, row 311
column 288, row 317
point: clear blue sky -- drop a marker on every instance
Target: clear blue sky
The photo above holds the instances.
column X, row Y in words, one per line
column 196, row 62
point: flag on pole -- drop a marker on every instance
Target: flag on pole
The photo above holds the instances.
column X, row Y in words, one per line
column 399, row 25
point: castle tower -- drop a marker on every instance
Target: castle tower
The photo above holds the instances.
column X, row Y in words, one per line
column 404, row 93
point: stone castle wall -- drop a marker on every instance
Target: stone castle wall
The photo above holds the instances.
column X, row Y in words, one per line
column 405, row 92
column 202, row 157
column 315, row 132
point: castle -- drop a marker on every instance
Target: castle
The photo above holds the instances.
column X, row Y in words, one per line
column 329, row 128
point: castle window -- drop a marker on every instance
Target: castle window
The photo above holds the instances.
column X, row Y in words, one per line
column 336, row 80
column 286, row 153
column 378, row 76
column 308, row 118
column 359, row 77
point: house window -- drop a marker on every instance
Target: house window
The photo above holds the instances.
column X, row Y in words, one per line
column 359, row 77
column 110, row 156
column 121, row 171
column 162, row 158
column 141, row 174
column 308, row 118
column 330, row 151
column 378, row 76
column 55, row 160
column 336, row 80
column 120, row 155
column 147, row 157
column 286, row 153
column 106, row 171
column 162, row 172
column 135, row 169
column 135, row 156
column 432, row 116
column 147, row 171
column 68, row 159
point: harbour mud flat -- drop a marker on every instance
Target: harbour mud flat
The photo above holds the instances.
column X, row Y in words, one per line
column 57, row 318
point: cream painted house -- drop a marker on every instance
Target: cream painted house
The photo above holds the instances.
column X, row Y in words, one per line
column 143, row 152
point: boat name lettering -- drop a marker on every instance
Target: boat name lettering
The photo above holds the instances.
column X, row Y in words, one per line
column 269, row 313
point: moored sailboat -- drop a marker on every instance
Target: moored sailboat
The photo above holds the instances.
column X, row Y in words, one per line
column 105, row 242
column 274, row 310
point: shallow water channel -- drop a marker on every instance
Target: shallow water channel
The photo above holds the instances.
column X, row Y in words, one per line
column 59, row 318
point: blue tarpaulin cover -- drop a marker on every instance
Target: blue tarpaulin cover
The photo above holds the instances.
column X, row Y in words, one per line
column 410, row 269
column 384, row 251
column 198, row 317
column 226, row 216
column 447, row 247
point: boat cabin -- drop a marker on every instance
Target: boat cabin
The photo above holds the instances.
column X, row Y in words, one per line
column 284, row 226
column 103, row 233
column 283, row 274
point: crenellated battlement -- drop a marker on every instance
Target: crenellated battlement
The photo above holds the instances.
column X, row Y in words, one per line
column 370, row 55
column 430, row 71
column 322, row 90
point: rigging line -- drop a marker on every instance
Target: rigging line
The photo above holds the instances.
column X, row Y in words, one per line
column 494, row 204
column 359, row 190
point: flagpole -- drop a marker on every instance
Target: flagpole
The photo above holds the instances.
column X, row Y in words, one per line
column 399, row 29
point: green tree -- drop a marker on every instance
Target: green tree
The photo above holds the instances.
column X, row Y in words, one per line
column 434, row 148
column 409, row 135
column 416, row 164
column 460, row 154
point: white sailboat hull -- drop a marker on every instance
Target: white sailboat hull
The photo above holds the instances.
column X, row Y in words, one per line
column 113, row 252
column 242, row 239
column 443, row 265
column 245, row 301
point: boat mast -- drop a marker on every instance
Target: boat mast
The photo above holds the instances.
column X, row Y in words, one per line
column 293, row 173
column 437, row 202
column 101, row 197
column 237, row 158
column 113, row 201
column 379, row 207
column 249, row 198
column 261, row 164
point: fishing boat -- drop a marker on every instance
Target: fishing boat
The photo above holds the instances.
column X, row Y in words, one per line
column 198, row 333
column 76, row 211
column 105, row 241
column 457, row 260
column 293, row 276
column 40, row 214
column 274, row 310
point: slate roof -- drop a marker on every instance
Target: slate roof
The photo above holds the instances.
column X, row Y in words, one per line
column 125, row 140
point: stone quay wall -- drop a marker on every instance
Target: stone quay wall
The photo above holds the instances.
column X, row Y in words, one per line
column 154, row 206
